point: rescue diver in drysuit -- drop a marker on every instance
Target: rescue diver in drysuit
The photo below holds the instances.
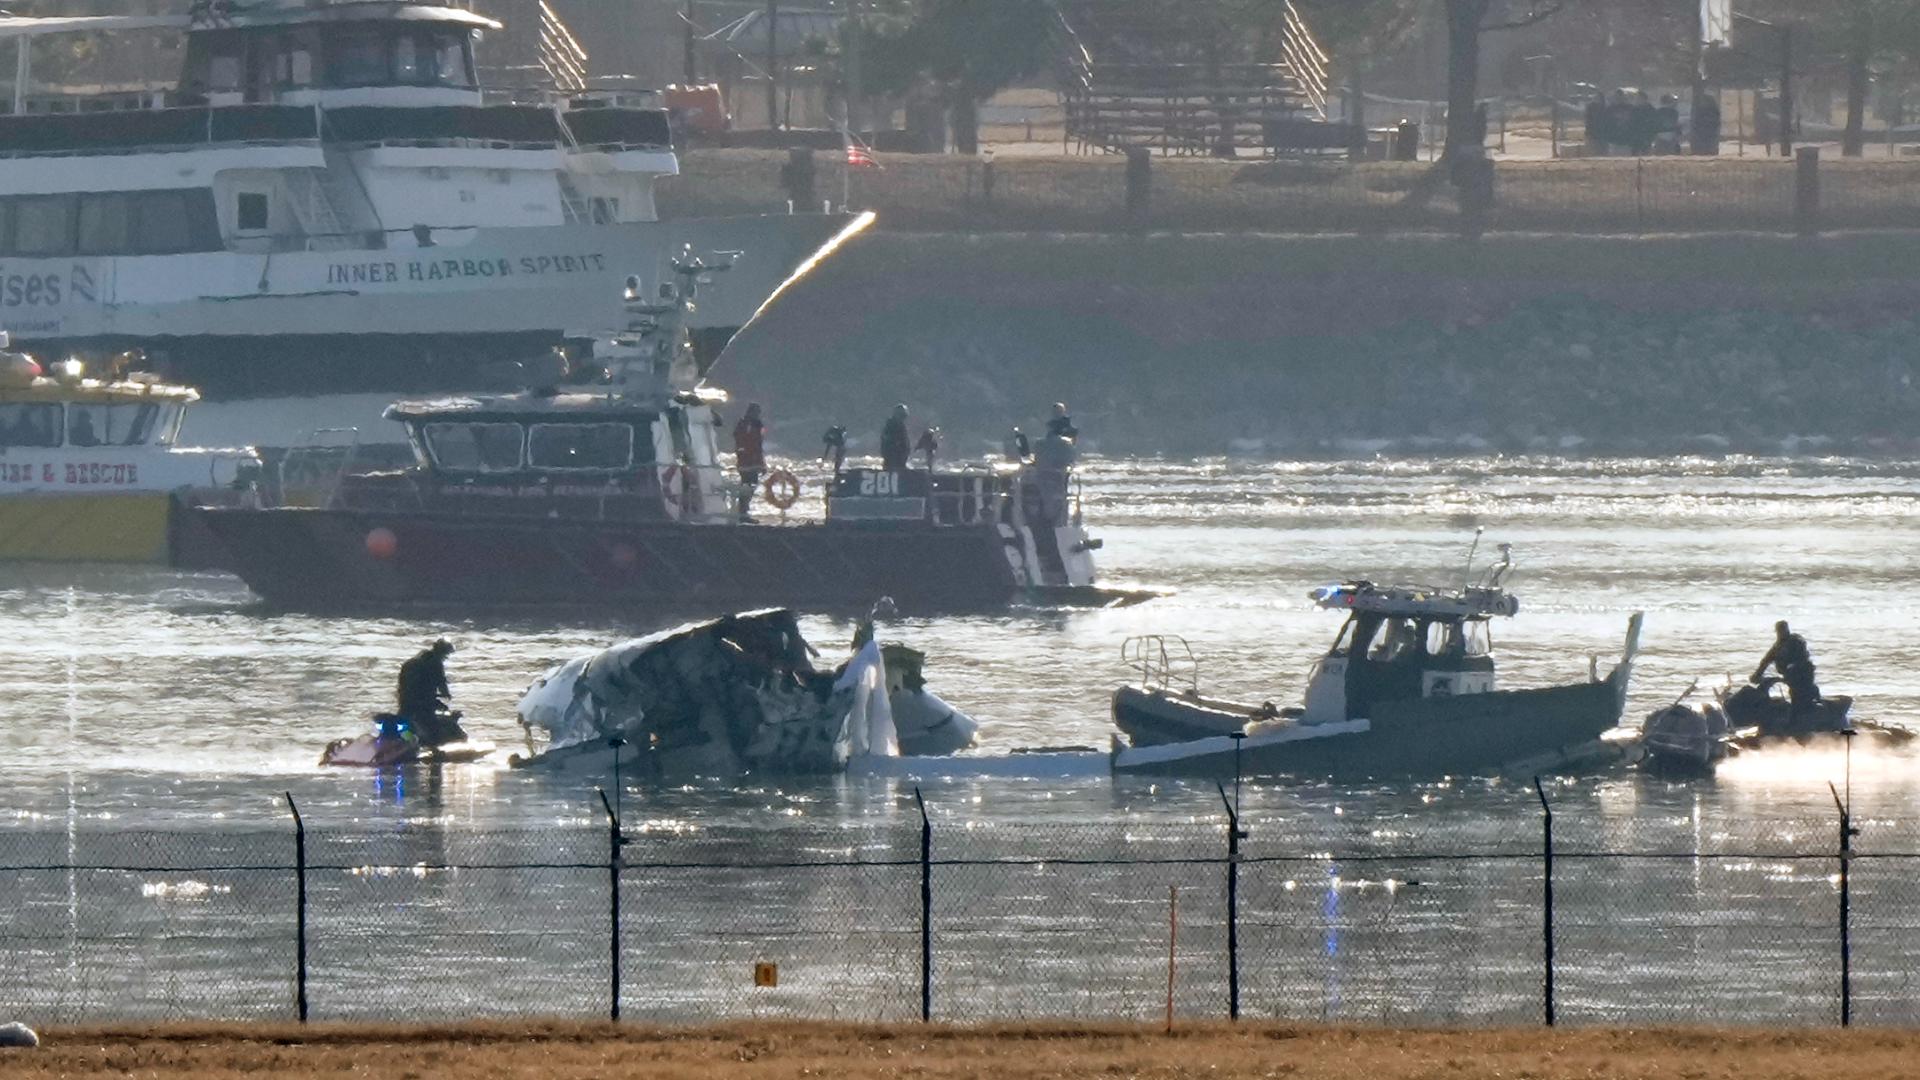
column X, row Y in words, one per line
column 424, row 695
column 1791, row 658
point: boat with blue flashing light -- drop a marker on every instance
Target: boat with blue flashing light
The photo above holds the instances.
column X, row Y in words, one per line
column 1408, row 688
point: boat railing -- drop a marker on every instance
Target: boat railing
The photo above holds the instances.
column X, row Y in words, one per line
column 1165, row 662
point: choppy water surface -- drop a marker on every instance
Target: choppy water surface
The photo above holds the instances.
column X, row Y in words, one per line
column 142, row 696
column 139, row 699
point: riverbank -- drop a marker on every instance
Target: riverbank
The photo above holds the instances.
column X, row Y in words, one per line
column 1013, row 1052
column 1337, row 344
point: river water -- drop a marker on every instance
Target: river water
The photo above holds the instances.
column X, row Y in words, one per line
column 140, row 699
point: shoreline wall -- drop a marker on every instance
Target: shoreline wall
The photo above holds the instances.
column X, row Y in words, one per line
column 1328, row 344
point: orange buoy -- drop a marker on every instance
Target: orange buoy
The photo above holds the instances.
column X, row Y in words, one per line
column 382, row 544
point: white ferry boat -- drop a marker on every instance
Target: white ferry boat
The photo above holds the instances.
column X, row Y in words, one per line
column 89, row 471
column 327, row 201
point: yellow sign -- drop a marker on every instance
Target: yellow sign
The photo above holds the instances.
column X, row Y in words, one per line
column 765, row 974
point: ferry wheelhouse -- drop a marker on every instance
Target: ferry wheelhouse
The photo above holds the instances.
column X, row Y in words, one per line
column 89, row 471
column 328, row 198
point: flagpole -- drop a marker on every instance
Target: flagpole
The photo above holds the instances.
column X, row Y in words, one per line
column 846, row 159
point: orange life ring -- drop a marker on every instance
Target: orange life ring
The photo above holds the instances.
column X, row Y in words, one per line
column 782, row 488
column 673, row 484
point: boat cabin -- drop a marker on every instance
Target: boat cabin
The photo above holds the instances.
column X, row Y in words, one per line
column 68, row 434
column 576, row 454
column 1404, row 642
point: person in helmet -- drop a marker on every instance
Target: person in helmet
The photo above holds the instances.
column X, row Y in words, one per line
column 423, row 696
column 1791, row 658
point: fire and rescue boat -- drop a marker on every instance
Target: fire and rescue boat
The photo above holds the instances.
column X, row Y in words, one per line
column 89, row 471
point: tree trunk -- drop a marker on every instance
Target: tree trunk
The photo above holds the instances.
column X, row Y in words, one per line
column 1465, row 136
column 964, row 119
column 1853, row 140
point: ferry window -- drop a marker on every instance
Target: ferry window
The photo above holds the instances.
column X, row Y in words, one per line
column 475, row 447
column 1479, row 638
column 1441, row 639
column 357, row 57
column 450, row 64
column 580, row 446
column 223, row 72
column 30, row 425
column 43, row 225
column 162, row 222
column 250, row 211
column 407, row 66
column 86, row 425
column 105, row 224
column 299, row 65
column 605, row 211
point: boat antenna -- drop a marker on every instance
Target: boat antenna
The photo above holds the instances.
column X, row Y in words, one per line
column 1472, row 549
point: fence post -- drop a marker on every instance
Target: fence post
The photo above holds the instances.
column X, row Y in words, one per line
column 1847, row 833
column 1234, row 835
column 300, row 908
column 1806, row 189
column 613, row 903
column 926, row 909
column 1546, row 899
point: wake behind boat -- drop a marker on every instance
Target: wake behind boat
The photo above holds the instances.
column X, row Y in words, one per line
column 1407, row 689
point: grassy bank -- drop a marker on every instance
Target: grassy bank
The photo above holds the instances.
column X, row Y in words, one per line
column 1037, row 1051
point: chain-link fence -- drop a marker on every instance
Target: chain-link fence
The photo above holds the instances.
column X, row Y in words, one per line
column 1576, row 918
column 1092, row 194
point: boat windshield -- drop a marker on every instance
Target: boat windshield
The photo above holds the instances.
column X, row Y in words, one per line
column 129, row 424
column 476, row 447
column 30, row 424
column 603, row 447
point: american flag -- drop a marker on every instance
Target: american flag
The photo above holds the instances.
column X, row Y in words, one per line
column 860, row 157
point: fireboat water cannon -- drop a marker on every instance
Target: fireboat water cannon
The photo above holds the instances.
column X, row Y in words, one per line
column 654, row 352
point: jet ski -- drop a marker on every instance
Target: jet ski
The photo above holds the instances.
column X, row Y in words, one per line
column 1761, row 714
column 393, row 741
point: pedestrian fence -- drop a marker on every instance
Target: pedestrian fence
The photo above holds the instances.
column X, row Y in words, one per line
column 1516, row 919
column 1607, row 196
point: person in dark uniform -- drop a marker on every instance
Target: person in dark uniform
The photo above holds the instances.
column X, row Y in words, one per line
column 1791, row 658
column 1060, row 424
column 749, row 456
column 895, row 444
column 1705, row 128
column 423, row 696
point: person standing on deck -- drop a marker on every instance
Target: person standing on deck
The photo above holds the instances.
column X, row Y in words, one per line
column 895, row 445
column 749, row 456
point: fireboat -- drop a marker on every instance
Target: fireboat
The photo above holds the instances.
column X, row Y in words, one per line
column 618, row 497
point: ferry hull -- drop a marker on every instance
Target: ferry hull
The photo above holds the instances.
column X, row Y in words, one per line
column 348, row 559
column 541, row 284
column 1473, row 734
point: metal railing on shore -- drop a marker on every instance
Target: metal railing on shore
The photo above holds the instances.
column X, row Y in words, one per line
column 1565, row 918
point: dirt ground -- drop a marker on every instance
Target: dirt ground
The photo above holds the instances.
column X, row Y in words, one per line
column 1041, row 1052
